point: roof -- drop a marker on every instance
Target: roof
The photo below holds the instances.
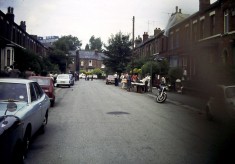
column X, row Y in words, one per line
column 175, row 19
column 15, row 80
column 83, row 54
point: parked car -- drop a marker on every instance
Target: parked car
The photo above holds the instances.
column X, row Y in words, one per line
column 23, row 111
column 221, row 105
column 63, row 80
column 82, row 76
column 110, row 79
column 47, row 85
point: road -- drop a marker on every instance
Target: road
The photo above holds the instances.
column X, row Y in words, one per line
column 95, row 123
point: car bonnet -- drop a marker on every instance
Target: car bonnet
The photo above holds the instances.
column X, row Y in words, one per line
column 3, row 108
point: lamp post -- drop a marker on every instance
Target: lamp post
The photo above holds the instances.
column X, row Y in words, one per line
column 66, row 64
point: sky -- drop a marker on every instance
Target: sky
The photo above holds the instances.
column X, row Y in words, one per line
column 101, row 18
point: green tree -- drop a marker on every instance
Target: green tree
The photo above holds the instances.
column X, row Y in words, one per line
column 58, row 57
column 118, row 52
column 87, row 48
column 175, row 73
column 25, row 60
column 68, row 43
column 97, row 72
column 95, row 43
column 62, row 47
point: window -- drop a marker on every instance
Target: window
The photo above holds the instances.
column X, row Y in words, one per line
column 194, row 35
column 202, row 28
column 32, row 93
column 177, row 38
column 82, row 63
column 212, row 24
column 226, row 21
column 38, row 90
column 187, row 35
column 8, row 57
column 90, row 63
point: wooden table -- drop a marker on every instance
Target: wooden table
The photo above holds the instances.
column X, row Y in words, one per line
column 140, row 87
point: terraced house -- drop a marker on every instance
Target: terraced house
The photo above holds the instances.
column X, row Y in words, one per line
column 13, row 37
column 195, row 42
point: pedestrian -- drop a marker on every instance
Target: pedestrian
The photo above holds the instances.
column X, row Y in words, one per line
column 116, row 79
column 128, row 78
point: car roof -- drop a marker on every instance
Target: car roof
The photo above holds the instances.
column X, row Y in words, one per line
column 40, row 77
column 15, row 80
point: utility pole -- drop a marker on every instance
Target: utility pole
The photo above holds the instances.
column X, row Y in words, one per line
column 133, row 44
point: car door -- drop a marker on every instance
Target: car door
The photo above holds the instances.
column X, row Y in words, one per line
column 42, row 100
column 35, row 108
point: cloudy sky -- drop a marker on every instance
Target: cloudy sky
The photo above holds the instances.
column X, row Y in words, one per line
column 101, row 18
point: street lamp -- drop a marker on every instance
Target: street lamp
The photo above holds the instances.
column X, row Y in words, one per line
column 66, row 64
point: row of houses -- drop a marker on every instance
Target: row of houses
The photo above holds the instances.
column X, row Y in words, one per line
column 194, row 42
column 13, row 37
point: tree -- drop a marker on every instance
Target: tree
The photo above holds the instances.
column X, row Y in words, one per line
column 62, row 47
column 25, row 60
column 58, row 57
column 68, row 43
column 95, row 43
column 118, row 52
column 87, row 48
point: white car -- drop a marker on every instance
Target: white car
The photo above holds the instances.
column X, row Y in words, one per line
column 82, row 76
column 63, row 80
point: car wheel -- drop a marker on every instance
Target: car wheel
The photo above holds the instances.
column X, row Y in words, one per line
column 18, row 155
column 26, row 142
column 44, row 123
column 208, row 114
column 52, row 103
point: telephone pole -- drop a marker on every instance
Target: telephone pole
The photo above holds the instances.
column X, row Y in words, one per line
column 133, row 44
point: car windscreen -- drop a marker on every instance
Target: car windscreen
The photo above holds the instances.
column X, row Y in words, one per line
column 230, row 92
column 13, row 91
column 41, row 81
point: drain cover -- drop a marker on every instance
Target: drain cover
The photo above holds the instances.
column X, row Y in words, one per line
column 117, row 113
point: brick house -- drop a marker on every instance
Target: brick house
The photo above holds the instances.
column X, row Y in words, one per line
column 196, row 41
column 87, row 60
column 12, row 37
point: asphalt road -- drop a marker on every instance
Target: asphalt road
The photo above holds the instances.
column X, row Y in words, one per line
column 95, row 123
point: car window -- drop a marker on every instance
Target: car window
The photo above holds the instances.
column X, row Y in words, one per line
column 15, row 91
column 32, row 92
column 63, row 77
column 41, row 81
column 38, row 90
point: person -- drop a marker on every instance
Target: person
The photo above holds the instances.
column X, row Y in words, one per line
column 128, row 78
column 116, row 79
column 123, row 81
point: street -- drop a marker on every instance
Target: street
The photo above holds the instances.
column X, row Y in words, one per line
column 95, row 123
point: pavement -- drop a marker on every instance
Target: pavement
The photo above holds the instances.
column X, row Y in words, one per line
column 189, row 101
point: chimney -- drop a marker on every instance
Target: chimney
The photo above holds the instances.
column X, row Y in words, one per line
column 157, row 31
column 138, row 41
column 10, row 15
column 176, row 9
column 203, row 4
column 145, row 36
column 23, row 25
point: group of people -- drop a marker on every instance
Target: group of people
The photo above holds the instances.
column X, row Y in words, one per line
column 126, row 80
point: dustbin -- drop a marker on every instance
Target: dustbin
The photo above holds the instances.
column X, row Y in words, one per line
column 178, row 86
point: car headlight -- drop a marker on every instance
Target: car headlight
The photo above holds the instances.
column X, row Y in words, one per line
column 46, row 90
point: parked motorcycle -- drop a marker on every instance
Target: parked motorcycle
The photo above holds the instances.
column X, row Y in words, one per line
column 162, row 96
